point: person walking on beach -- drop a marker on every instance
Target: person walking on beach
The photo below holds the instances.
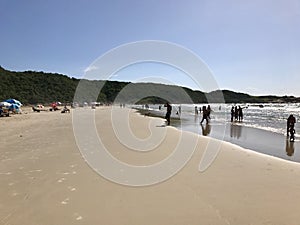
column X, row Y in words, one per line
column 204, row 115
column 291, row 127
column 196, row 110
column 168, row 114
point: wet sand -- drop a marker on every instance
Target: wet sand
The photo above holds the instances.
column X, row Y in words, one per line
column 45, row 180
column 255, row 139
column 262, row 141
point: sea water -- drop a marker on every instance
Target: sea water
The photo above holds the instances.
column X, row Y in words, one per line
column 269, row 117
column 263, row 128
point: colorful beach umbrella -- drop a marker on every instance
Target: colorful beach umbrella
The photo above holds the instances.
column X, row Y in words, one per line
column 14, row 101
column 14, row 106
column 5, row 104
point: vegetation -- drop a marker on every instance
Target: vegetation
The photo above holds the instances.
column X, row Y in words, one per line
column 32, row 87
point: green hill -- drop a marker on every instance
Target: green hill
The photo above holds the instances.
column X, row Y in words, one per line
column 32, row 87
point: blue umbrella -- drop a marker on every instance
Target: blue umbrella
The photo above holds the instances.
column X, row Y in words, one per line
column 14, row 106
column 14, row 101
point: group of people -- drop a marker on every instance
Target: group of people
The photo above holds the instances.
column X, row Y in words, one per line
column 237, row 113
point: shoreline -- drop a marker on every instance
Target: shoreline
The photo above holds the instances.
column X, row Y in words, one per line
column 252, row 138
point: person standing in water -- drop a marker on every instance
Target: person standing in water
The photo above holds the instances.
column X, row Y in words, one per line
column 291, row 127
column 168, row 114
column 240, row 114
column 232, row 113
column 208, row 111
column 204, row 115
column 236, row 113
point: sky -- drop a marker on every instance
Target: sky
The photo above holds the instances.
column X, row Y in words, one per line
column 249, row 46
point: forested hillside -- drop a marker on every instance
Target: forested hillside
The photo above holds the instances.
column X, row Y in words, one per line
column 32, row 87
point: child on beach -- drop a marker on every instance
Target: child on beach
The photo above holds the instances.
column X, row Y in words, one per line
column 292, row 132
column 291, row 127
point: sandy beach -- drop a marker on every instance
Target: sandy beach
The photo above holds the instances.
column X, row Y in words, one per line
column 45, row 180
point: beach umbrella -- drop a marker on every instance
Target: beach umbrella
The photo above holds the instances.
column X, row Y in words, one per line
column 5, row 104
column 14, row 101
column 14, row 106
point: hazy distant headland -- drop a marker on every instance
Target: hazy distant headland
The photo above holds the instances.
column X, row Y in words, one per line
column 32, row 87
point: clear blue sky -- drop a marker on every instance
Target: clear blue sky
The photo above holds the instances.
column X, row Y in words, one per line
column 251, row 46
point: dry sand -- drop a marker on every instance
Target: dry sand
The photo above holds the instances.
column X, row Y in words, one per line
column 44, row 179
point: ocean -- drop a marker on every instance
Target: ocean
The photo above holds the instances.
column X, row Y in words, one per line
column 263, row 128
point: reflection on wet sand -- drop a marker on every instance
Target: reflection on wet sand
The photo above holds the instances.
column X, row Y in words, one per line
column 235, row 131
column 206, row 129
column 289, row 147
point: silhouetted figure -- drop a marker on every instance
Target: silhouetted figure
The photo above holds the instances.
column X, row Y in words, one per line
column 291, row 127
column 232, row 113
column 236, row 113
column 196, row 110
column 240, row 114
column 168, row 114
column 65, row 109
column 208, row 111
column 204, row 115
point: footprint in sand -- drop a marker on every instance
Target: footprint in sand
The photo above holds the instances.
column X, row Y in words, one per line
column 61, row 180
column 14, row 194
column 65, row 202
column 77, row 216
column 7, row 173
column 32, row 171
column 71, row 188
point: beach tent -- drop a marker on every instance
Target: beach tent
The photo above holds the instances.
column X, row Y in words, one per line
column 14, row 101
column 5, row 104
